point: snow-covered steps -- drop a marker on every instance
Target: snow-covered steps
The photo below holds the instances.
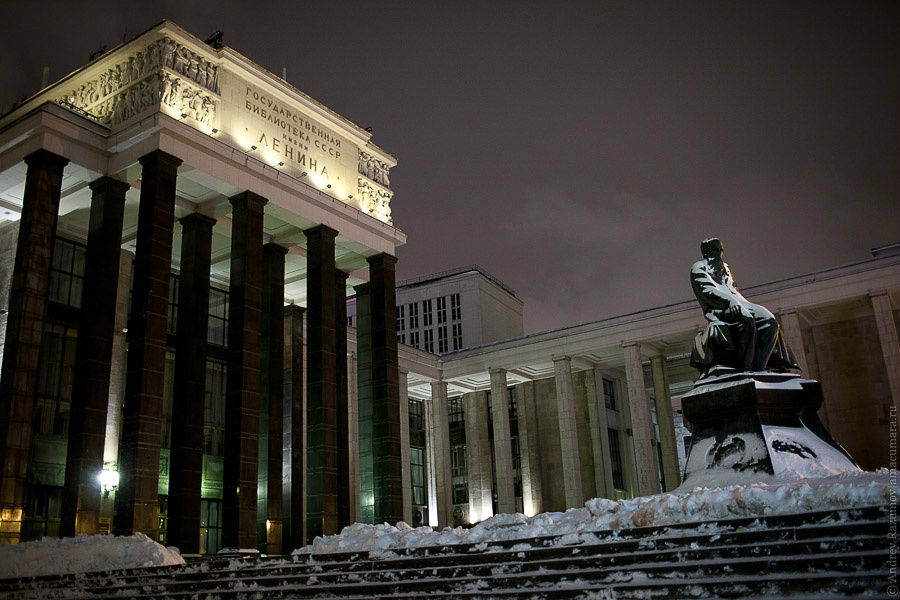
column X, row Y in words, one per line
column 836, row 553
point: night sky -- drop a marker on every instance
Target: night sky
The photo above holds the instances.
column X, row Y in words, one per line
column 578, row 151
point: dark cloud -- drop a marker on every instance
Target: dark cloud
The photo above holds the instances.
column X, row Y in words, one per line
column 577, row 150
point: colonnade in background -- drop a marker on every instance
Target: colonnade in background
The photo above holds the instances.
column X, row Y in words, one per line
column 264, row 375
column 576, row 436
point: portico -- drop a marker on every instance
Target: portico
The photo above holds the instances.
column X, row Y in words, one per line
column 180, row 138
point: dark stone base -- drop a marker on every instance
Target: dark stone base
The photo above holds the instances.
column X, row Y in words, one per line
column 757, row 427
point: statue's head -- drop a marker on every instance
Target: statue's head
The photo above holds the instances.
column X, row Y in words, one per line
column 712, row 249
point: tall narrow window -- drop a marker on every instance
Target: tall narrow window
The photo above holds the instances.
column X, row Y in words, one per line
column 455, row 312
column 426, row 313
column 414, row 315
column 609, row 394
column 218, row 317
column 401, row 320
column 428, row 335
column 615, row 459
column 455, row 407
column 442, row 339
column 442, row 309
column 414, row 339
column 66, row 273
column 457, row 336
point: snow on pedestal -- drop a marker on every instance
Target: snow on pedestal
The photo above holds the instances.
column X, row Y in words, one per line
column 83, row 553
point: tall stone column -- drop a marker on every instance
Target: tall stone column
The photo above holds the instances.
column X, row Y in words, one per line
column 119, row 361
column 506, row 492
column 137, row 501
column 640, row 421
column 405, row 475
column 666, row 424
column 353, row 433
column 24, row 328
column 592, row 394
column 189, row 395
column 342, row 395
column 385, row 390
column 321, row 384
column 294, row 411
column 364, row 402
column 568, row 431
column 529, row 448
column 790, row 327
column 93, row 353
column 240, row 479
column 478, row 456
column 890, row 347
column 605, row 486
column 439, row 455
column 272, row 391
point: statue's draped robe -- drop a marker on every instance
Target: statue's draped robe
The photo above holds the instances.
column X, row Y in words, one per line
column 728, row 340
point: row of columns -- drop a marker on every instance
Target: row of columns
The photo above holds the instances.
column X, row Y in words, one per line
column 481, row 461
column 262, row 334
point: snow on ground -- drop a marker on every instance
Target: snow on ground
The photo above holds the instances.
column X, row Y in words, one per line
column 847, row 490
column 53, row 556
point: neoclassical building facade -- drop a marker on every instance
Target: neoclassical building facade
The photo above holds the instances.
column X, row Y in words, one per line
column 174, row 218
column 593, row 410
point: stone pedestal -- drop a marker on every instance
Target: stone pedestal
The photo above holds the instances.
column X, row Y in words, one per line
column 758, row 427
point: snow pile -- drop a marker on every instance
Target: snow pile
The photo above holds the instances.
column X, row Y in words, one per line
column 847, row 490
column 52, row 556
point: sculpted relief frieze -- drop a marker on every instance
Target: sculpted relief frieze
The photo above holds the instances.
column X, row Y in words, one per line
column 139, row 83
column 374, row 201
column 373, row 168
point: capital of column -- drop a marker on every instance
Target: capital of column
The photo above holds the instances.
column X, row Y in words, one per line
column 438, row 385
column 382, row 258
column 46, row 159
column 110, row 186
column 880, row 293
column 630, row 344
column 561, row 358
column 320, row 231
column 294, row 309
column 251, row 200
column 273, row 249
column 496, row 371
column 195, row 220
column 362, row 288
column 160, row 159
column 341, row 275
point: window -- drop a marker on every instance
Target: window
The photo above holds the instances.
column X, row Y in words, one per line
column 615, row 459
column 414, row 315
column 460, row 493
column 513, row 405
column 214, row 414
column 401, row 338
column 401, row 320
column 442, row 339
column 414, row 339
column 43, row 510
column 417, row 474
column 442, row 309
column 172, row 315
column 455, row 312
column 416, row 414
column 218, row 317
column 54, row 385
column 458, row 461
column 457, row 336
column 350, row 320
column 66, row 273
column 429, row 340
column 210, row 526
column 426, row 313
column 609, row 394
column 455, row 408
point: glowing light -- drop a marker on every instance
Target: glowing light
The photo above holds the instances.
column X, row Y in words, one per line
column 108, row 478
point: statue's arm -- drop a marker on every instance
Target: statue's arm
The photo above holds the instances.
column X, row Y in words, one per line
column 707, row 291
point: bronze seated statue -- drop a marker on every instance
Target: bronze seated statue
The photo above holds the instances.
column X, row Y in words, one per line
column 739, row 335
